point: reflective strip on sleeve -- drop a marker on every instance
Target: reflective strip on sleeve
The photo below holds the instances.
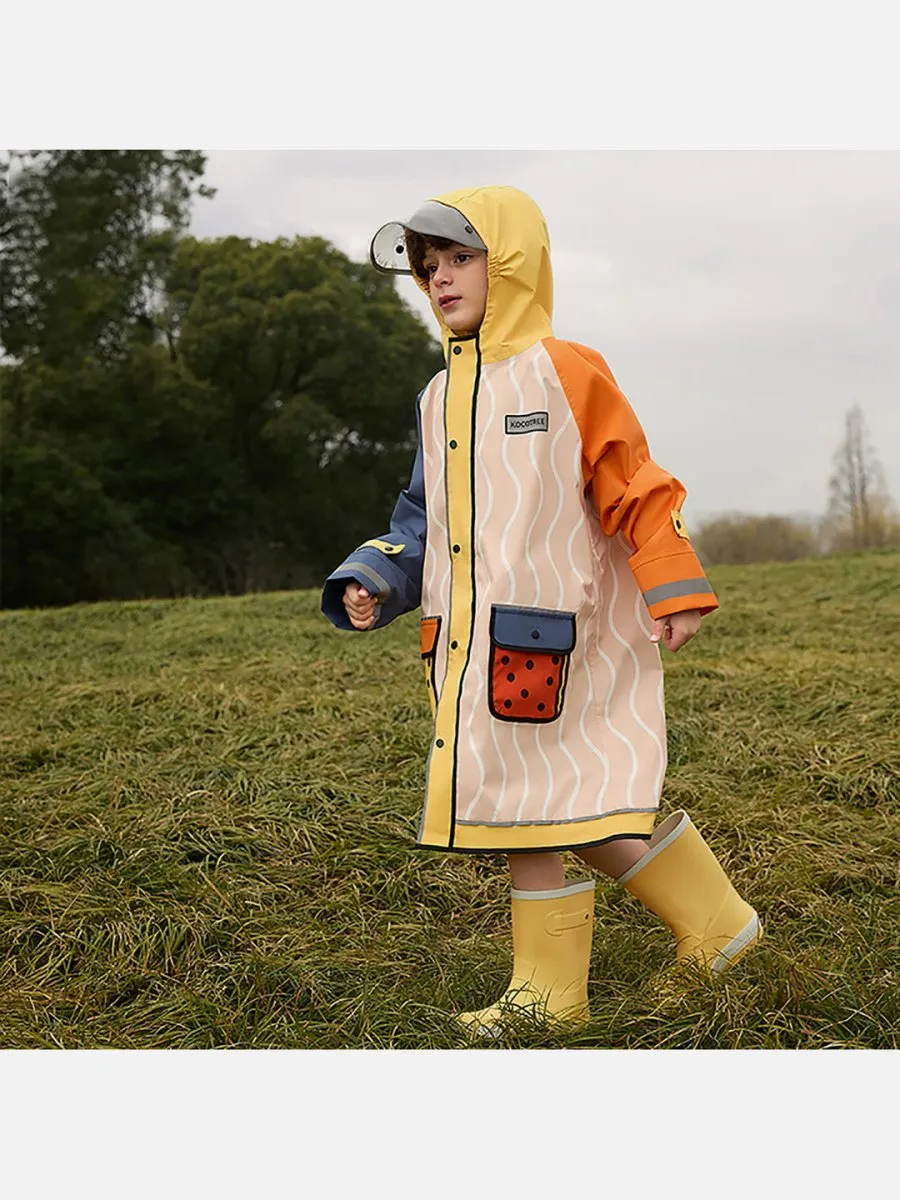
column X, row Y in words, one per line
column 682, row 587
column 384, row 588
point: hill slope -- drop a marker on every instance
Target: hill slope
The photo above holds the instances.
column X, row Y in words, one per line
column 207, row 810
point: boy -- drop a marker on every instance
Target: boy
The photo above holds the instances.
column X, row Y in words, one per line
column 549, row 556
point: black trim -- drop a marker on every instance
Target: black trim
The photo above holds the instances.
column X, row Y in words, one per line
column 465, row 667
column 615, row 837
column 449, row 606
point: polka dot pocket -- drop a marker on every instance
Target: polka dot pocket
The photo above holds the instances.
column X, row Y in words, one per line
column 530, row 652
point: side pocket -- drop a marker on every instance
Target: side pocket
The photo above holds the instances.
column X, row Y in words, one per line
column 430, row 629
column 530, row 653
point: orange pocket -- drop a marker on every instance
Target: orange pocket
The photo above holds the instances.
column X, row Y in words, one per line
column 429, row 634
column 530, row 652
column 429, row 630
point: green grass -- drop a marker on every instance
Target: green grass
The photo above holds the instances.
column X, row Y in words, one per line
column 207, row 810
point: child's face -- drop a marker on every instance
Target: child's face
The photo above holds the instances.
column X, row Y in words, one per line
column 458, row 286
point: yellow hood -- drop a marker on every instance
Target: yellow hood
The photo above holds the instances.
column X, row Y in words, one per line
column 520, row 279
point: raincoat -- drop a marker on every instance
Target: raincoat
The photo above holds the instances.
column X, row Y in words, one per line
column 540, row 539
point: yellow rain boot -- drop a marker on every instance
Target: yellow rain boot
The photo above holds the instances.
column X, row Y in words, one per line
column 552, row 933
column 680, row 880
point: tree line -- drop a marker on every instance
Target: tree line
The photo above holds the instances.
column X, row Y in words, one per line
column 183, row 416
column 198, row 417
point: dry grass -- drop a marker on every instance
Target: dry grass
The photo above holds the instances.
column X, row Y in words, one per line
column 207, row 810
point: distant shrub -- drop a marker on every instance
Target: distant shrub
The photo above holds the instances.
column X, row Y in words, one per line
column 747, row 538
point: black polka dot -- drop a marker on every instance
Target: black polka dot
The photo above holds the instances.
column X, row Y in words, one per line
column 541, row 707
column 505, row 659
column 524, row 693
column 549, row 681
column 507, row 703
column 511, row 677
column 529, row 664
column 555, row 659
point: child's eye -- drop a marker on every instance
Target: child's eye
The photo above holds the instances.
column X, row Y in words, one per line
column 463, row 258
column 430, row 268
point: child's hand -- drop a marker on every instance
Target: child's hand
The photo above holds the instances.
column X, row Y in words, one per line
column 360, row 605
column 676, row 628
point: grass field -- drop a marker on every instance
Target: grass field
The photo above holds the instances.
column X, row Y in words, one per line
column 207, row 810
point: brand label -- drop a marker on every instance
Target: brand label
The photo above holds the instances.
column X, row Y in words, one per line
column 536, row 422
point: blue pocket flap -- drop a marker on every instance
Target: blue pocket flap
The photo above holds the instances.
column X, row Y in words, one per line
column 538, row 629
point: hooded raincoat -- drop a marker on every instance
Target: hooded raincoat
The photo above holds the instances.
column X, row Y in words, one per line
column 539, row 538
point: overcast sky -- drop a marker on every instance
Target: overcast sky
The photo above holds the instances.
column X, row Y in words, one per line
column 743, row 300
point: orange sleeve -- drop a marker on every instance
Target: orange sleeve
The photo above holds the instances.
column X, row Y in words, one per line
column 633, row 495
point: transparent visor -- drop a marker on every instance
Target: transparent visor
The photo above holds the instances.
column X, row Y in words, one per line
column 388, row 249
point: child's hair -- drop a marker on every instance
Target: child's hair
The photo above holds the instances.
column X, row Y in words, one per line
column 417, row 246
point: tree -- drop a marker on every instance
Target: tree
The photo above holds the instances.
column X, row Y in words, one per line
column 102, row 467
column 315, row 362
column 860, row 511
column 85, row 240
column 243, row 427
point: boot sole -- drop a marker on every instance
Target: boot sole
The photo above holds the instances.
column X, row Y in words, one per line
column 568, row 1018
column 749, row 936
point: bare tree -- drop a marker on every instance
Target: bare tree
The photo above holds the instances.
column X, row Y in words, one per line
column 858, row 499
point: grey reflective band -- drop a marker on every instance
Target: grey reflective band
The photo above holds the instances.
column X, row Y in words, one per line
column 684, row 587
column 384, row 588
column 571, row 889
column 613, row 812
column 387, row 252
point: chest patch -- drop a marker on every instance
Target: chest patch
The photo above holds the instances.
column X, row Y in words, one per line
column 536, row 422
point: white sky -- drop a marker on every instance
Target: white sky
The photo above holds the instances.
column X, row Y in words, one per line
column 744, row 300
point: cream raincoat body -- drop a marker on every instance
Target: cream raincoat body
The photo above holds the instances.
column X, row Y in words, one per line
column 540, row 539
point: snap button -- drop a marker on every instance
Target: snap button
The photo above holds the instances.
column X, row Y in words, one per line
column 456, row 549
column 457, row 349
column 439, row 743
column 453, row 645
column 535, row 634
column 453, row 445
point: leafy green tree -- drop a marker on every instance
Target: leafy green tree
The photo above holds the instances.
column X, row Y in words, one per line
column 87, row 236
column 315, row 362
column 182, row 416
column 85, row 501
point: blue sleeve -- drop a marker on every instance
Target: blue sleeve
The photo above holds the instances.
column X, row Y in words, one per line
column 391, row 569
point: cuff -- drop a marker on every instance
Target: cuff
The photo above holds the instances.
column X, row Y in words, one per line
column 672, row 581
column 333, row 592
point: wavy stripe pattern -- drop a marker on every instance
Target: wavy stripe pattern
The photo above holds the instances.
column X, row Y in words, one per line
column 539, row 544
